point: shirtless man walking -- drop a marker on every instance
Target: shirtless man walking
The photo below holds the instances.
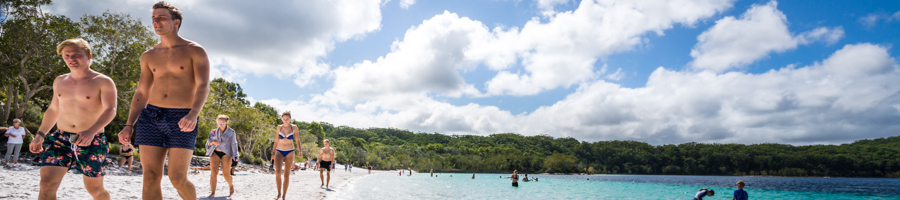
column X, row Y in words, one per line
column 163, row 118
column 84, row 102
column 326, row 157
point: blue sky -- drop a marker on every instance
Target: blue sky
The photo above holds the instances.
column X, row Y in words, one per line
column 799, row 72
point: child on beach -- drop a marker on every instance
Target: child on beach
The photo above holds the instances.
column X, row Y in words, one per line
column 740, row 194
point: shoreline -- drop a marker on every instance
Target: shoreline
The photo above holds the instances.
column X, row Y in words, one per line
column 22, row 182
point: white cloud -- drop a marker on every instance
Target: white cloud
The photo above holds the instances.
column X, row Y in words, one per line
column 562, row 52
column 872, row 19
column 283, row 38
column 734, row 43
column 426, row 60
column 404, row 4
column 547, row 6
column 851, row 94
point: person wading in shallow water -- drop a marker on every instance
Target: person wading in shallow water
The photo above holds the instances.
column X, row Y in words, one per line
column 515, row 178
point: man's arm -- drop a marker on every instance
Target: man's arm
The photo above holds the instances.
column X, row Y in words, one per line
column 108, row 104
column 139, row 101
column 201, row 82
column 51, row 115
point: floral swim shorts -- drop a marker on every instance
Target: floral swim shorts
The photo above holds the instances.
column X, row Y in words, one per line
column 88, row 160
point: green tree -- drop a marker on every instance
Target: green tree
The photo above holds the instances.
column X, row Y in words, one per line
column 315, row 129
column 28, row 39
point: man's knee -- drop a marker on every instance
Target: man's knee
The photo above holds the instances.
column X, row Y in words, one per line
column 97, row 191
column 49, row 185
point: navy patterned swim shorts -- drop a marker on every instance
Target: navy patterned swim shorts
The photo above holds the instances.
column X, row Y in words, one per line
column 158, row 126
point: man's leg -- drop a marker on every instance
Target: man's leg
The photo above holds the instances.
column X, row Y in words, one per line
column 152, row 158
column 328, row 180
column 321, row 177
column 51, row 176
column 179, row 163
column 213, row 172
column 94, row 186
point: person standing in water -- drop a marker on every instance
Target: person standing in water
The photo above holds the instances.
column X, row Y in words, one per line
column 515, row 178
column 473, row 175
column 326, row 157
column 285, row 137
column 83, row 103
column 222, row 149
column 431, row 172
column 166, row 106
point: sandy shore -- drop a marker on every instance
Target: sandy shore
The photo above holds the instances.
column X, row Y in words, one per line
column 21, row 182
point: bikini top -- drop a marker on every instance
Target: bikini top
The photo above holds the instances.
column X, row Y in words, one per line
column 126, row 151
column 281, row 136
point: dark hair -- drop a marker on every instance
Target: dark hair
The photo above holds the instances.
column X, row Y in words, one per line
column 286, row 113
column 176, row 14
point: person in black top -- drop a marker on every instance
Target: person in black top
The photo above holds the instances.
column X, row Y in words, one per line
column 127, row 153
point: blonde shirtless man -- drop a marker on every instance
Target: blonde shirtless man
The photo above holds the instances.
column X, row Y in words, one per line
column 163, row 118
column 326, row 157
column 83, row 103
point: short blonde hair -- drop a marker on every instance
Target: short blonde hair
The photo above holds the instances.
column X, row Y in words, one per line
column 17, row 121
column 175, row 12
column 225, row 117
column 740, row 183
column 76, row 42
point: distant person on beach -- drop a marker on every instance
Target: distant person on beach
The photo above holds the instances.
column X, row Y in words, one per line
column 432, row 172
column 286, row 135
column 170, row 94
column 345, row 167
column 515, row 178
column 82, row 104
column 326, row 157
column 351, row 168
column 16, row 133
column 703, row 193
column 370, row 169
column 740, row 194
column 222, row 149
column 127, row 153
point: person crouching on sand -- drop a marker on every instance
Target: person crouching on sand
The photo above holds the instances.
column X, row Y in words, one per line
column 222, row 149
column 127, row 153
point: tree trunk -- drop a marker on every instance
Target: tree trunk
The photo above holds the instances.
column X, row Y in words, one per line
column 30, row 90
column 4, row 112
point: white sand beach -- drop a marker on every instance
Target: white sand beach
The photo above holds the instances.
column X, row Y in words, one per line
column 21, row 182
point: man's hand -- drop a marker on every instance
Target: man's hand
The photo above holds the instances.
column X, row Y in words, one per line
column 85, row 138
column 36, row 145
column 125, row 135
column 187, row 123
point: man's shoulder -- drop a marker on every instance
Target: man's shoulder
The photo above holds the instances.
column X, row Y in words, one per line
column 102, row 78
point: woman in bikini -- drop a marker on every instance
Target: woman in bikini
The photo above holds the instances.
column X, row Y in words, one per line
column 126, row 151
column 284, row 152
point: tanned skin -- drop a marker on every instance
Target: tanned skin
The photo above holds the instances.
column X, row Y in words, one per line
column 84, row 102
column 174, row 74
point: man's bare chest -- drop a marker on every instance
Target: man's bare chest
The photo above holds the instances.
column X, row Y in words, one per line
column 78, row 92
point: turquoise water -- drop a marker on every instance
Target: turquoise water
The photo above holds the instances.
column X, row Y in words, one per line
column 491, row 186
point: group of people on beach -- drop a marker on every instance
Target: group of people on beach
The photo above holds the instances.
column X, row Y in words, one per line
column 165, row 109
